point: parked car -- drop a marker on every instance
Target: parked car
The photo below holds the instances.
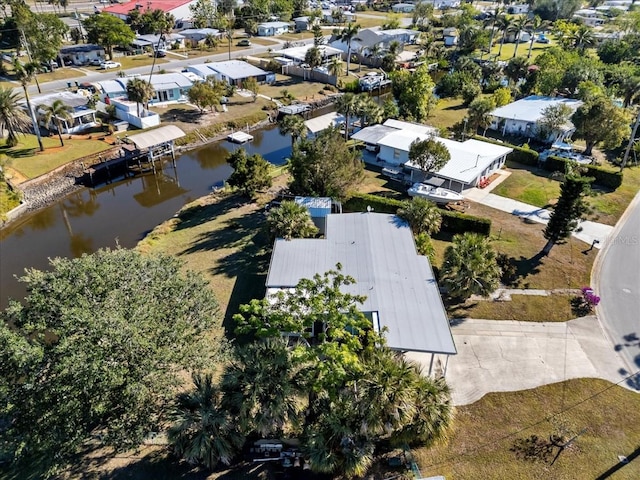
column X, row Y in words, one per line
column 96, row 62
column 109, row 64
column 244, row 43
column 160, row 53
column 542, row 39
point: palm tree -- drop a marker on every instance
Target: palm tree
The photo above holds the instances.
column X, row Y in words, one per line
column 422, row 215
column 347, row 35
column 55, row 113
column 368, row 110
column 335, row 67
column 293, row 125
column 630, row 88
column 346, row 105
column 25, row 73
column 492, row 19
column 375, row 52
column 264, row 386
column 582, row 38
column 203, row 431
column 13, row 119
column 291, row 220
column 535, row 25
column 520, row 24
column 470, row 266
column 504, row 24
column 140, row 91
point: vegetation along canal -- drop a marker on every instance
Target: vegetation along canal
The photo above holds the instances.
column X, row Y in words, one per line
column 121, row 212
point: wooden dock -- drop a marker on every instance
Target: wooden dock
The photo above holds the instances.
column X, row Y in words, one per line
column 240, row 137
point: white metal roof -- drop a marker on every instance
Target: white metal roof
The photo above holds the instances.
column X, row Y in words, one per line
column 157, row 136
column 236, row 69
column 402, row 139
column 71, row 99
column 162, row 81
column 111, row 87
column 530, row 109
column 378, row 251
column 373, row 134
column 469, row 159
column 273, row 24
column 299, row 53
column 323, row 122
column 410, row 126
column 202, row 70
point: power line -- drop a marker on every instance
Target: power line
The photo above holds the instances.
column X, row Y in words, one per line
column 493, row 444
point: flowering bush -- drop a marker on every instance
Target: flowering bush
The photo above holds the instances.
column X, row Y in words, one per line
column 589, row 296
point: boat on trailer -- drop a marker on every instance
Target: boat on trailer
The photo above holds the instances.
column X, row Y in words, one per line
column 435, row 194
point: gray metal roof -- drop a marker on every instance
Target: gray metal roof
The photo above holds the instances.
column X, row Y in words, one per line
column 236, row 69
column 373, row 134
column 163, row 81
column 378, row 251
column 157, row 136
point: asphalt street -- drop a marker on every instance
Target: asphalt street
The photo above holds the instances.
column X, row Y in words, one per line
column 618, row 277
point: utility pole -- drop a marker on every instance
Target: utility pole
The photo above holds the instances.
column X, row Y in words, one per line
column 631, row 141
column 26, row 47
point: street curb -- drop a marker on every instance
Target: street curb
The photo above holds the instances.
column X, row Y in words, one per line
column 597, row 266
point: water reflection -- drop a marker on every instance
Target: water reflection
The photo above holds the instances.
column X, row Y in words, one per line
column 121, row 212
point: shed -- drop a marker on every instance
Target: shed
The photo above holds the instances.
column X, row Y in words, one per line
column 319, row 208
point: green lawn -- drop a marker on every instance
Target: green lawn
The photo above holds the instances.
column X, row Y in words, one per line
column 529, row 185
column 523, row 50
column 28, row 162
column 448, row 112
column 8, row 199
column 480, row 445
column 610, row 205
column 525, row 308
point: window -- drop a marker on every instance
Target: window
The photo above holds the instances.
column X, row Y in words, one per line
column 396, row 153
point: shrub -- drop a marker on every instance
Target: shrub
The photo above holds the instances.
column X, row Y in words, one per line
column 602, row 176
column 452, row 222
column 522, row 155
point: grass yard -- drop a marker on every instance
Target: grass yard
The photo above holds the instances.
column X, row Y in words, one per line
column 523, row 50
column 300, row 89
column 8, row 199
column 610, row 205
column 220, row 236
column 448, row 112
column 480, row 445
column 24, row 161
column 524, row 308
column 529, row 185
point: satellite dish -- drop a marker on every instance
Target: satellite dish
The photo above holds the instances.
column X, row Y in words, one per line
column 369, row 209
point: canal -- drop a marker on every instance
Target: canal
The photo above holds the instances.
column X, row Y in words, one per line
column 122, row 212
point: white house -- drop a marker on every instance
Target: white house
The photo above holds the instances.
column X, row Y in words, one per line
column 170, row 87
column 298, row 54
column 470, row 160
column 303, row 24
column 589, row 16
column 402, row 299
column 369, row 38
column 178, row 8
column 196, row 36
column 270, row 29
column 450, row 36
column 156, row 42
column 403, row 8
column 82, row 117
column 518, row 9
column 235, row 72
column 521, row 117
column 444, row 4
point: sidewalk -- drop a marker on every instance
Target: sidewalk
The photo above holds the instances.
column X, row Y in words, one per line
column 504, row 356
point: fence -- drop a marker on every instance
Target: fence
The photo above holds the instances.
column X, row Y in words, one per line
column 309, row 74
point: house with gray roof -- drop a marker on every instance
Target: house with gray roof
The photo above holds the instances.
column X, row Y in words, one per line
column 402, row 296
column 170, row 87
column 522, row 117
column 196, row 36
column 235, row 72
column 82, row 117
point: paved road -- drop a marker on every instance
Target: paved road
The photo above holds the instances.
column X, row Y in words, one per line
column 617, row 273
column 176, row 63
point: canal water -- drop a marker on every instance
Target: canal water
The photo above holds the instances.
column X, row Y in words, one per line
column 120, row 213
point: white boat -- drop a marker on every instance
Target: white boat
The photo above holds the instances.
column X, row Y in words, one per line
column 435, row 194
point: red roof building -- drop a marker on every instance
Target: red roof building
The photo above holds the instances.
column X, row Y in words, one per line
column 178, row 8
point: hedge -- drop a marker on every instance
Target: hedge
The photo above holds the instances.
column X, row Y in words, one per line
column 525, row 156
column 452, row 222
column 602, row 176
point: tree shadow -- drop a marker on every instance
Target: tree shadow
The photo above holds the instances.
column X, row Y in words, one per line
column 195, row 215
column 516, row 270
column 620, row 465
column 631, row 341
column 20, row 152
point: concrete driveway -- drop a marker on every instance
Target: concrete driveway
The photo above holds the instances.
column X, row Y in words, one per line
column 503, row 356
